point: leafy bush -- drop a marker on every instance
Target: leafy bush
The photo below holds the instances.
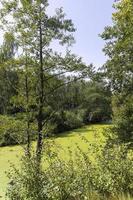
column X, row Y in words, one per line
column 123, row 118
column 13, row 130
column 115, row 171
column 68, row 120
column 77, row 179
column 9, row 130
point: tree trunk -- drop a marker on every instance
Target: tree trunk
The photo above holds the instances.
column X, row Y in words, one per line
column 41, row 96
column 27, row 111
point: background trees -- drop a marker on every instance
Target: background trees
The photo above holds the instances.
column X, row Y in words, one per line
column 8, row 77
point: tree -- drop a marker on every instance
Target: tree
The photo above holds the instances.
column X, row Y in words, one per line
column 97, row 99
column 8, row 77
column 119, row 67
column 34, row 30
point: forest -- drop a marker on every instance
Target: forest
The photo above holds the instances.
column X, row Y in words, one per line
column 66, row 128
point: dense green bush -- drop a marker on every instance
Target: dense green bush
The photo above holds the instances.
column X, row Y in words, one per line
column 97, row 102
column 123, row 118
column 13, row 130
column 115, row 171
column 77, row 179
column 10, row 132
column 68, row 120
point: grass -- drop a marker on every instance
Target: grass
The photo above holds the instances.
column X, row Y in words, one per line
column 11, row 155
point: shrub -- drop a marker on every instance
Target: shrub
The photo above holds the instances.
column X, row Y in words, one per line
column 9, row 130
column 13, row 130
column 77, row 179
column 68, row 120
column 123, row 118
column 115, row 171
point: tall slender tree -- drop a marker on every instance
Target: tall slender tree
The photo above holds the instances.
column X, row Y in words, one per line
column 34, row 30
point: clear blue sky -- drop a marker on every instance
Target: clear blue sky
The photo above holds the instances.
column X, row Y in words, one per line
column 90, row 17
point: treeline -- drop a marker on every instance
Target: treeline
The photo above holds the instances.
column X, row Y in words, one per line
column 77, row 102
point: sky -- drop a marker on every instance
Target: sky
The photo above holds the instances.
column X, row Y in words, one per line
column 89, row 17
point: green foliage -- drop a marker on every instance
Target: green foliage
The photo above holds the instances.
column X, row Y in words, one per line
column 123, row 118
column 10, row 131
column 79, row 178
column 7, row 80
column 13, row 130
column 39, row 67
column 68, row 120
column 9, row 47
column 97, row 101
column 119, row 67
column 118, row 46
column 67, row 139
column 117, row 167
